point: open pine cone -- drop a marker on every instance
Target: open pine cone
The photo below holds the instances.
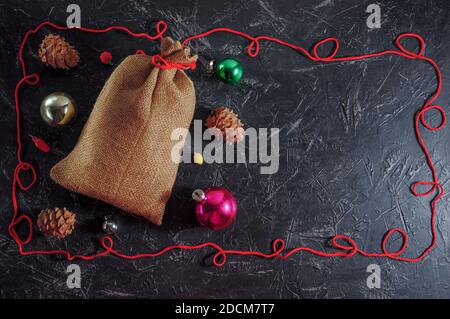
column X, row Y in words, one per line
column 54, row 51
column 228, row 123
column 56, row 222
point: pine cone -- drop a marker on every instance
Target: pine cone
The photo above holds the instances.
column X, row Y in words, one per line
column 228, row 123
column 54, row 51
column 56, row 222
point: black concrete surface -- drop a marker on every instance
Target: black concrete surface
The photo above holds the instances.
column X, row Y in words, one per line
column 348, row 153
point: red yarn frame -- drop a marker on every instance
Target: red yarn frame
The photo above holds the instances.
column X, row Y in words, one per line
column 344, row 246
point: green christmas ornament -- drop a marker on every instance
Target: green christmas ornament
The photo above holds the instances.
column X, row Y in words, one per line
column 229, row 70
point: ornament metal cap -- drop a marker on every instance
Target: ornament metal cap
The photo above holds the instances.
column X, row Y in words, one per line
column 109, row 225
column 207, row 63
column 198, row 195
column 211, row 65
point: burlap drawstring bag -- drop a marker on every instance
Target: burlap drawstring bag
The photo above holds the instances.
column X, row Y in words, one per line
column 123, row 155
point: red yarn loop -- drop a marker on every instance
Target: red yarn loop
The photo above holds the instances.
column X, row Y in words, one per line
column 333, row 52
column 25, row 167
column 14, row 234
column 386, row 239
column 423, row 183
column 32, row 79
column 278, row 246
column 253, row 48
column 345, row 246
column 220, row 258
column 441, row 112
column 161, row 28
column 406, row 51
column 107, row 243
column 352, row 248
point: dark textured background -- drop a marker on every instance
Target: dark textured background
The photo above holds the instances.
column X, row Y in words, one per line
column 347, row 152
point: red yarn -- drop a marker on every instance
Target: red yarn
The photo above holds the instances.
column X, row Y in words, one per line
column 345, row 246
column 162, row 63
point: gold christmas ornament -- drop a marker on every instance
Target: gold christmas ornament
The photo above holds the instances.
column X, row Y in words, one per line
column 231, row 127
column 58, row 109
column 56, row 222
column 55, row 52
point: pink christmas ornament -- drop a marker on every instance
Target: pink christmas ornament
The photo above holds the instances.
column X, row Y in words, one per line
column 215, row 208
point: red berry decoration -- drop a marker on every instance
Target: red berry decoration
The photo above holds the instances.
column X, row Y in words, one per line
column 106, row 57
column 216, row 208
column 40, row 144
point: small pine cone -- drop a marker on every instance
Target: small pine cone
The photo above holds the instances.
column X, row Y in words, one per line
column 228, row 123
column 54, row 51
column 56, row 222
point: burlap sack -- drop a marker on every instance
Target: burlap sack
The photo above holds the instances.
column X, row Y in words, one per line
column 123, row 155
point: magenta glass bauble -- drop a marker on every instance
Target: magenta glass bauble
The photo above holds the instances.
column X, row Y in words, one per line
column 215, row 208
